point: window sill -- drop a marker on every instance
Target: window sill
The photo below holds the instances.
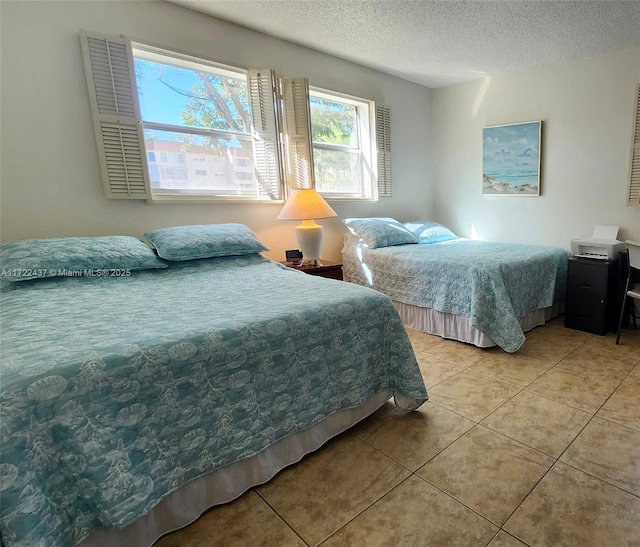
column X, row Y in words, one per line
column 157, row 200
column 346, row 198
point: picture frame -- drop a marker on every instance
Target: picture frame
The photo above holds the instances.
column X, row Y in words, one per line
column 511, row 159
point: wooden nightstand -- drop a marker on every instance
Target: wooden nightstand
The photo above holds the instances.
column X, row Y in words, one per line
column 325, row 268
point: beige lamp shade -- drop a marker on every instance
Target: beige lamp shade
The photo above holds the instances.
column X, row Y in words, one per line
column 306, row 204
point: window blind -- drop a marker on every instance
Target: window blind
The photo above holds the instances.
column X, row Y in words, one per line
column 298, row 150
column 116, row 116
column 262, row 97
column 383, row 142
column 633, row 195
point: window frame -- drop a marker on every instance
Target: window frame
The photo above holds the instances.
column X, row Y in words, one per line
column 164, row 56
column 366, row 135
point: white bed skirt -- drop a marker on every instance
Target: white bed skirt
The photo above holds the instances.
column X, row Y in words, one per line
column 459, row 328
column 186, row 504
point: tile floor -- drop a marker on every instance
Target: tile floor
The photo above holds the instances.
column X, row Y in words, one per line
column 541, row 447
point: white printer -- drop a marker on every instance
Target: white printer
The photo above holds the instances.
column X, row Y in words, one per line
column 603, row 245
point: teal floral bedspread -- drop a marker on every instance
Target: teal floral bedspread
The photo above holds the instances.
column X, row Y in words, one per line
column 117, row 391
column 492, row 284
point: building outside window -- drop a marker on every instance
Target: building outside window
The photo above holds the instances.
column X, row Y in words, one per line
column 194, row 111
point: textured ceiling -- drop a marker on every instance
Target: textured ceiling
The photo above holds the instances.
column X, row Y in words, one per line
column 437, row 43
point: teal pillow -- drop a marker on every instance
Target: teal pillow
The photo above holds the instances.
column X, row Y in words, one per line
column 25, row 259
column 430, row 232
column 204, row 241
column 380, row 232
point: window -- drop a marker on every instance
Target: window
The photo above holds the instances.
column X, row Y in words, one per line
column 160, row 114
column 166, row 157
column 192, row 110
column 154, row 174
column 204, row 95
column 168, row 176
column 342, row 144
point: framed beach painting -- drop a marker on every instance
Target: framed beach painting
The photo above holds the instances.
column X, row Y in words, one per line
column 511, row 159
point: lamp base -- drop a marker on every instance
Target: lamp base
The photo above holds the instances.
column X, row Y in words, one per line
column 309, row 236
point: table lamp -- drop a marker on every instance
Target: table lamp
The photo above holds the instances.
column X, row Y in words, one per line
column 306, row 204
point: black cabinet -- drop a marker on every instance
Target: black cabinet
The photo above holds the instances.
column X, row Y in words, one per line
column 592, row 295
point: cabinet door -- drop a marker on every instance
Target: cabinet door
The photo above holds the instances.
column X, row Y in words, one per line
column 586, row 296
column 331, row 272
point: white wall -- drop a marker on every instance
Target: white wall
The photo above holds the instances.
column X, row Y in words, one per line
column 51, row 184
column 586, row 107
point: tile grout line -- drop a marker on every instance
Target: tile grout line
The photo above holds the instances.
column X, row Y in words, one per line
column 559, row 402
column 558, row 461
column 529, row 492
column 599, row 479
column 475, row 424
column 517, row 441
column 281, row 517
column 431, row 458
column 511, row 383
column 617, row 423
column 360, row 512
column 595, row 414
column 520, row 390
column 365, row 509
column 524, row 500
column 574, row 374
column 585, row 426
column 456, row 499
column 415, row 473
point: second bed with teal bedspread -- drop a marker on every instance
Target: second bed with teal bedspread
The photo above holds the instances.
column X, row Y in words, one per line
column 492, row 284
column 117, row 391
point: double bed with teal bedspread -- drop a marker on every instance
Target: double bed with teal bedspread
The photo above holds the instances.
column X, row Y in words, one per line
column 116, row 391
column 493, row 285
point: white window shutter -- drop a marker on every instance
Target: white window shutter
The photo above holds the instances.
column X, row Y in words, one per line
column 113, row 95
column 633, row 196
column 298, row 149
column 383, row 144
column 262, row 96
